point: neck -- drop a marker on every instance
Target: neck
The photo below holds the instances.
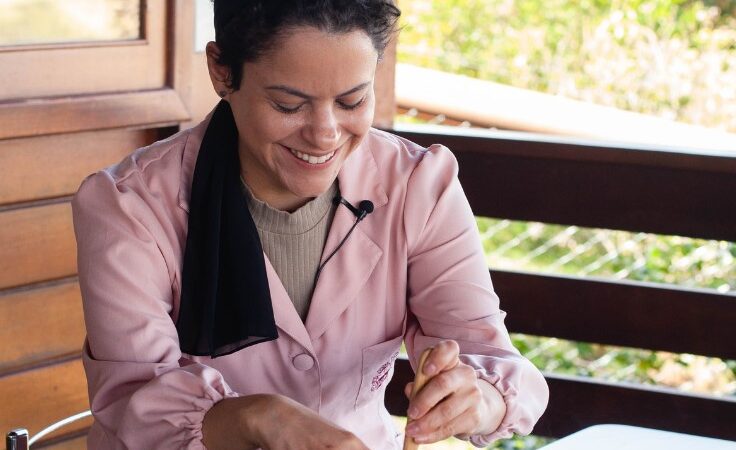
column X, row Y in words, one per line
column 285, row 201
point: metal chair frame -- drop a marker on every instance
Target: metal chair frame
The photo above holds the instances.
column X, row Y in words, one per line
column 19, row 439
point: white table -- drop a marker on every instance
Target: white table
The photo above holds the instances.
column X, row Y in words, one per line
column 624, row 437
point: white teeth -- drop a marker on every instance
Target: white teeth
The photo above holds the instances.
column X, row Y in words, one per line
column 312, row 159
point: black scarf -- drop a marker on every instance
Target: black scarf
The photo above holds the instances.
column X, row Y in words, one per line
column 225, row 299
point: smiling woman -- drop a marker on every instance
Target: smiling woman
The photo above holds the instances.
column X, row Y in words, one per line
column 231, row 303
column 299, row 119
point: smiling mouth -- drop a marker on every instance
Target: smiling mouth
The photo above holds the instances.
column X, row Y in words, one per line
column 312, row 159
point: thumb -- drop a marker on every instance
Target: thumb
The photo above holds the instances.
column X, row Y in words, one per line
column 407, row 389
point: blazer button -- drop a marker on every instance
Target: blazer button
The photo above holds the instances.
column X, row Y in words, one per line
column 303, row 362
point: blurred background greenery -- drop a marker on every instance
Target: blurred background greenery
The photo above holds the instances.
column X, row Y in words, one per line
column 674, row 59
column 670, row 58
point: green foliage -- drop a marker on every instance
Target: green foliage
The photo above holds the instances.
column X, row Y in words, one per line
column 607, row 253
column 670, row 58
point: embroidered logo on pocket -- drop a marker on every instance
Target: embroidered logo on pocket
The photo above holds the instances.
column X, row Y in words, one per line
column 382, row 373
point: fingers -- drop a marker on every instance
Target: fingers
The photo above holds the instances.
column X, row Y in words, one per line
column 444, row 356
column 461, row 379
column 408, row 388
column 297, row 427
column 441, row 430
column 451, row 403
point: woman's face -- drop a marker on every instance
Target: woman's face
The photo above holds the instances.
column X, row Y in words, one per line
column 301, row 109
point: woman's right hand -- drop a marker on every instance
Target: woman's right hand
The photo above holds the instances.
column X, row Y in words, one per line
column 272, row 422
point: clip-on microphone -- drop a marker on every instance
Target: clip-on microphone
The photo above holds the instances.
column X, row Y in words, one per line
column 364, row 208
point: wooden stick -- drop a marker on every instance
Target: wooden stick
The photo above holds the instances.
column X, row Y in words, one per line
column 420, row 379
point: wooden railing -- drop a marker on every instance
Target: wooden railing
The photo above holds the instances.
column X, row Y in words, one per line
column 656, row 190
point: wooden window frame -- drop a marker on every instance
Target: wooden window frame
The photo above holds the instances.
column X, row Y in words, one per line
column 71, row 87
column 52, row 70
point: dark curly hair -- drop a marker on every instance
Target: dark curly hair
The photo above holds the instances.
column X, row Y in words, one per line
column 246, row 29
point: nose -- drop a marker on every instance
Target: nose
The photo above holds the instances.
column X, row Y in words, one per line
column 324, row 130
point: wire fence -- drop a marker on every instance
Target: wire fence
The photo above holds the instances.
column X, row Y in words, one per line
column 610, row 254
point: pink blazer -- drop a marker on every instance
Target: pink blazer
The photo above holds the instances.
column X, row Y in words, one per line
column 412, row 271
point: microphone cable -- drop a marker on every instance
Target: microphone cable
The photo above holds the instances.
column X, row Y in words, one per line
column 364, row 208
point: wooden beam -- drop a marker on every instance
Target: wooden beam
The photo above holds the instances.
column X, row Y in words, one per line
column 566, row 181
column 630, row 314
column 53, row 166
column 149, row 109
column 37, row 398
column 41, row 323
column 488, row 104
column 577, row 403
column 38, row 244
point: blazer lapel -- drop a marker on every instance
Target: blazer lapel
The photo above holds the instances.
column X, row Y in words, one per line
column 287, row 319
column 347, row 272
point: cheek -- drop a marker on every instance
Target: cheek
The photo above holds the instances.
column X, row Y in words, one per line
column 361, row 123
column 269, row 129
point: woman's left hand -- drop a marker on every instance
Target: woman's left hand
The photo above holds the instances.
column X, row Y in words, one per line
column 454, row 402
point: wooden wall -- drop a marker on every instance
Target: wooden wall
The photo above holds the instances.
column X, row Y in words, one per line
column 65, row 112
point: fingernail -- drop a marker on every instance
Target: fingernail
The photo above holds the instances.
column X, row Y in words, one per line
column 413, row 412
column 421, row 439
column 412, row 429
column 430, row 369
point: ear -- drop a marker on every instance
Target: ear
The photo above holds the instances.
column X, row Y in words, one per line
column 219, row 74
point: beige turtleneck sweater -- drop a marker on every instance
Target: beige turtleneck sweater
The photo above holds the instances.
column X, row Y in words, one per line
column 294, row 242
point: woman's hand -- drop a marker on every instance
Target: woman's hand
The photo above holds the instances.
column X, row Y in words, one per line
column 272, row 422
column 454, row 402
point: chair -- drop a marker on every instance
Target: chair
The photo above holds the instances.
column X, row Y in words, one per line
column 18, row 439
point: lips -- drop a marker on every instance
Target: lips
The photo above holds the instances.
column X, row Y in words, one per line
column 311, row 159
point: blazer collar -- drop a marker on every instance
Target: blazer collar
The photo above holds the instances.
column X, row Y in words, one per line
column 344, row 276
column 192, row 144
column 359, row 177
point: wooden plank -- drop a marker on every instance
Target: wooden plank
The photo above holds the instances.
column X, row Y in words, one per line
column 568, row 182
column 630, row 314
column 576, row 403
column 37, row 398
column 489, row 104
column 54, row 166
column 150, row 109
column 565, row 148
column 31, row 337
column 181, row 20
column 38, row 244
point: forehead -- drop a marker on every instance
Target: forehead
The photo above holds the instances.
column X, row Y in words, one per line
column 316, row 62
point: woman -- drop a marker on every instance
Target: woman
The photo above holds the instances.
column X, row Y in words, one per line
column 231, row 303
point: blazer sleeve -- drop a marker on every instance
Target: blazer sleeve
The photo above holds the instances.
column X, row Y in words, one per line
column 450, row 294
column 142, row 393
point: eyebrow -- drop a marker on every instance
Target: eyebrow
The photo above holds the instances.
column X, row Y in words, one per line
column 301, row 94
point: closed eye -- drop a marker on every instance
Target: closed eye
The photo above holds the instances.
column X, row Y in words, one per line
column 286, row 109
column 350, row 106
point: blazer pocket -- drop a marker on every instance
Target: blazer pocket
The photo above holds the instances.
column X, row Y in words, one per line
column 378, row 368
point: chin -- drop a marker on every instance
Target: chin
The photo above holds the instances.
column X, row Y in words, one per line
column 310, row 190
